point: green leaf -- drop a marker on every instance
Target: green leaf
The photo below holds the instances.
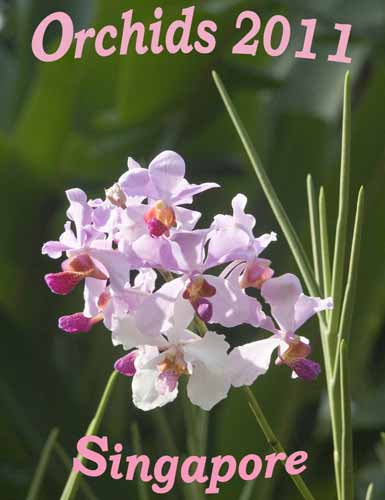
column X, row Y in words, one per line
column 369, row 493
column 279, row 212
column 347, row 473
column 247, row 491
column 342, row 220
column 314, row 229
column 325, row 253
column 37, row 481
column 137, row 446
column 349, row 297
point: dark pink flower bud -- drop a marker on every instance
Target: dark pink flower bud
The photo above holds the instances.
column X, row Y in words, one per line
column 126, row 364
column 76, row 323
column 62, row 283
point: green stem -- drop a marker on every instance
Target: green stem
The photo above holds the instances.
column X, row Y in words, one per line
column 164, row 427
column 67, row 462
column 348, row 303
column 314, row 229
column 278, row 210
column 72, row 483
column 347, row 480
column 137, row 446
column 34, row 490
column 342, row 220
column 325, row 252
column 369, row 493
column 274, row 442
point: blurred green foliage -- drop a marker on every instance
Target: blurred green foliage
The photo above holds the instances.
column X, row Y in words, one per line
column 73, row 123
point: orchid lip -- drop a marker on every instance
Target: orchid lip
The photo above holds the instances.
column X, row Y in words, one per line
column 306, row 369
column 157, row 228
column 204, row 309
column 159, row 219
column 62, row 283
column 126, row 364
column 78, row 323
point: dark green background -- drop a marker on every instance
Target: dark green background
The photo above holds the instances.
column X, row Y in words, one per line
column 73, row 123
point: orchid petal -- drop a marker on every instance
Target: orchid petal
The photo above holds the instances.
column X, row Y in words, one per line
column 249, row 361
column 145, row 383
column 166, row 171
column 126, row 333
column 161, row 305
column 205, row 389
column 231, row 306
column 282, row 294
column 306, row 307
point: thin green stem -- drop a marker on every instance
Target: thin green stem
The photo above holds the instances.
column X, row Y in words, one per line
column 314, row 229
column 369, row 493
column 137, row 446
column 67, row 462
column 37, row 481
column 275, row 204
column 347, row 480
column 325, row 252
column 333, row 387
column 164, row 427
column 342, row 220
column 72, row 484
column 247, row 491
column 348, row 303
column 274, row 442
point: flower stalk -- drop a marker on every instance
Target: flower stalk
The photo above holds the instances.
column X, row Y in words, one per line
column 72, row 483
column 274, row 442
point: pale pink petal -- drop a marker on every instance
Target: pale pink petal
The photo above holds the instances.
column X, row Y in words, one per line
column 186, row 219
column 79, row 211
column 186, row 191
column 126, row 333
column 231, row 306
column 54, row 249
column 145, row 389
column 117, row 265
column 210, row 350
column 166, row 171
column 206, row 388
column 161, row 304
column 263, row 242
column 306, row 307
column 249, row 361
column 185, row 252
column 239, row 203
column 135, row 182
column 282, row 294
column 93, row 288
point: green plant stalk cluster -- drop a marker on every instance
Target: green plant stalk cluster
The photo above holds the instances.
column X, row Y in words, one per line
column 325, row 278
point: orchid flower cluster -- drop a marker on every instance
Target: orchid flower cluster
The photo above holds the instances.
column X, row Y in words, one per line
column 121, row 246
